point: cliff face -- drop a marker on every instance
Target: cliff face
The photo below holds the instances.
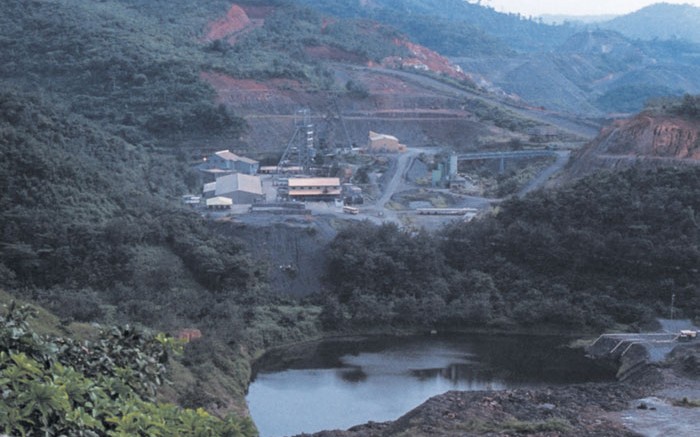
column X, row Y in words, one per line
column 646, row 140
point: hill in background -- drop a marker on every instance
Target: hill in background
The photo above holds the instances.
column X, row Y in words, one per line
column 661, row 21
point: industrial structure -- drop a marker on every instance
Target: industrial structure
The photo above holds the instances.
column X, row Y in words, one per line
column 300, row 151
column 314, row 189
column 225, row 162
column 241, row 188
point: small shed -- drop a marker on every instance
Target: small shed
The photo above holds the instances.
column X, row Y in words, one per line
column 189, row 334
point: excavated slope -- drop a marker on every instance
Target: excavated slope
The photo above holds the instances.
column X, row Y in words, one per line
column 646, row 140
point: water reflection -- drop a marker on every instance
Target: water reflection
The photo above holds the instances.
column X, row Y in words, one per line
column 338, row 384
column 469, row 374
column 353, row 375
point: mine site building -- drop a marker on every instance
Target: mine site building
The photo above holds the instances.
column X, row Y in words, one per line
column 241, row 188
column 384, row 143
column 219, row 203
column 225, row 162
column 319, row 189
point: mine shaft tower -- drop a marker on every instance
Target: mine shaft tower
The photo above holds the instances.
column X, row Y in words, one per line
column 300, row 151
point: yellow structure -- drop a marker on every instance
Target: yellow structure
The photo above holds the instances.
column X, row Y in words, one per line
column 384, row 143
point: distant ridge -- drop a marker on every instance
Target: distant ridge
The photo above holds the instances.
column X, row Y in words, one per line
column 659, row 21
column 575, row 19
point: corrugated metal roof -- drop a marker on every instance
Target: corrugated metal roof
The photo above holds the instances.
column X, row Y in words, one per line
column 211, row 186
column 314, row 182
column 239, row 182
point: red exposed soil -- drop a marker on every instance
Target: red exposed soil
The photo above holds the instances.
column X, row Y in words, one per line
column 227, row 87
column 643, row 135
column 423, row 58
column 417, row 114
column 236, row 20
column 223, row 83
column 649, row 140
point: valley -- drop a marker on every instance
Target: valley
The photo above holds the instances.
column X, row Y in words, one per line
column 485, row 174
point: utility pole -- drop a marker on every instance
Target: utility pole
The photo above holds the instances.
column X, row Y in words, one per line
column 673, row 301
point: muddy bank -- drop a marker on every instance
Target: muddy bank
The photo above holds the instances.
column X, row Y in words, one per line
column 575, row 410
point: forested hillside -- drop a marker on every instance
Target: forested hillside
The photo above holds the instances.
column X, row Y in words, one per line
column 113, row 66
column 84, row 210
column 611, row 248
column 454, row 27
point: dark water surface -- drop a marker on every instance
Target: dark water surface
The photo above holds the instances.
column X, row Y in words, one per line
column 340, row 383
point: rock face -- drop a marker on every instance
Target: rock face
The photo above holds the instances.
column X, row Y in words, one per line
column 647, row 136
column 645, row 140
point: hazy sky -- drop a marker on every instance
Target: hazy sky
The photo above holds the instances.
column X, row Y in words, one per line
column 575, row 7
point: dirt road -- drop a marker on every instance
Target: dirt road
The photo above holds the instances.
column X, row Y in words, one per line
column 572, row 125
column 542, row 178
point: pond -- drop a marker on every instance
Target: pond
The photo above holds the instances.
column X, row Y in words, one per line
column 336, row 384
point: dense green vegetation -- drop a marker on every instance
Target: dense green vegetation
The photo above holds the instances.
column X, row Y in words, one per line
column 113, row 66
column 90, row 230
column 612, row 248
column 96, row 98
column 58, row 386
column 115, row 228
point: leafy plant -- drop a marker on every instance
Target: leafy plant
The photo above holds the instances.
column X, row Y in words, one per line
column 62, row 387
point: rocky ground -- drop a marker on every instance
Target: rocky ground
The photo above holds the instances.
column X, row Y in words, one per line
column 662, row 400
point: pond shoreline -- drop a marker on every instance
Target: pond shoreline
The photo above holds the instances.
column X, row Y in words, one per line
column 660, row 399
column 403, row 371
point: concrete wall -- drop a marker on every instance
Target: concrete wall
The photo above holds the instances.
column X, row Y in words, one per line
column 243, row 197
